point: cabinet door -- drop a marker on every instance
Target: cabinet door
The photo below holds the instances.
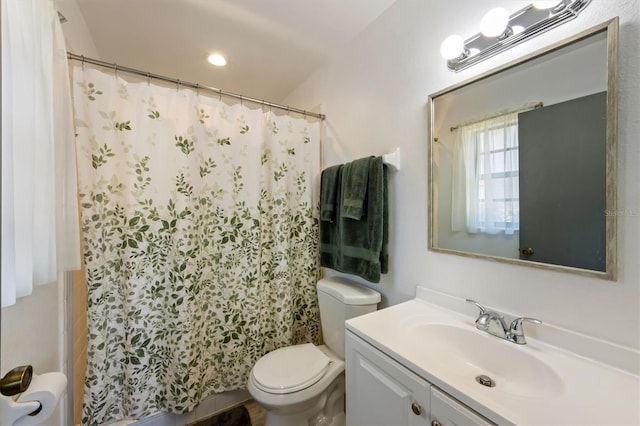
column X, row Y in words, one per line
column 446, row 411
column 381, row 392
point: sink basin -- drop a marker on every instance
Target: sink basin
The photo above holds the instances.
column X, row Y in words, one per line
column 468, row 353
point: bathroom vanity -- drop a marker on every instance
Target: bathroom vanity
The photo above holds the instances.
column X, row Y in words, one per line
column 419, row 363
column 388, row 393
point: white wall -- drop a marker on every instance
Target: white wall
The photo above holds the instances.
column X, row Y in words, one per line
column 31, row 332
column 76, row 32
column 374, row 94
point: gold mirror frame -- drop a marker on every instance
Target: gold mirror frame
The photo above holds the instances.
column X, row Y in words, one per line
column 611, row 27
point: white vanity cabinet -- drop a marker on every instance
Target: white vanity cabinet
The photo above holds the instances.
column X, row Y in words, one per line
column 433, row 356
column 382, row 392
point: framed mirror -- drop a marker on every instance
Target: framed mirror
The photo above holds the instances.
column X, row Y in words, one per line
column 523, row 159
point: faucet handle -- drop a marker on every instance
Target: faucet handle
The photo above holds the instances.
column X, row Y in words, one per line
column 482, row 322
column 483, row 310
column 516, row 331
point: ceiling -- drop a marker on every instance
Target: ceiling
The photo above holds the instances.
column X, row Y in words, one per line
column 271, row 46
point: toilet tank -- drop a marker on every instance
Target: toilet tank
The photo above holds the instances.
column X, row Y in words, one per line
column 339, row 300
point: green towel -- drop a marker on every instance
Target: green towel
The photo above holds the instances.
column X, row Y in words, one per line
column 328, row 193
column 355, row 179
column 359, row 247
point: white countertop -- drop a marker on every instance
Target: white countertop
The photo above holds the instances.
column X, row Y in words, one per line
column 589, row 392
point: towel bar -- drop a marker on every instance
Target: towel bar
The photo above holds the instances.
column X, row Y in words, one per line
column 392, row 159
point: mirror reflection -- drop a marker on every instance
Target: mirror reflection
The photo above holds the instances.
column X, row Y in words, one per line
column 519, row 161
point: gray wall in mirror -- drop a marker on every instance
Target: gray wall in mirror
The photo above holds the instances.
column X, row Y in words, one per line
column 569, row 70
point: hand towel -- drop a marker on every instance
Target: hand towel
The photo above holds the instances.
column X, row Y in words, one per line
column 328, row 192
column 355, row 179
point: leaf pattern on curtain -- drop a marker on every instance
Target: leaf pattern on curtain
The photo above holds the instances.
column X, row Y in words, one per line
column 200, row 226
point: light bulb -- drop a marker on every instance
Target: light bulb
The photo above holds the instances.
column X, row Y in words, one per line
column 517, row 29
column 452, row 47
column 545, row 4
column 217, row 60
column 494, row 22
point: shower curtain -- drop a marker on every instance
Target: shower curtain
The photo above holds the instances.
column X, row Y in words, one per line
column 200, row 226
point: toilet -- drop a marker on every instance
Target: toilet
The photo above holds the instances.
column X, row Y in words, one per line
column 304, row 384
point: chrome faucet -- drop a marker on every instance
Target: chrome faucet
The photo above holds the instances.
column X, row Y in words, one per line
column 493, row 323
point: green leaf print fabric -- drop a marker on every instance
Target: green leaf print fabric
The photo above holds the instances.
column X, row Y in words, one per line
column 200, row 225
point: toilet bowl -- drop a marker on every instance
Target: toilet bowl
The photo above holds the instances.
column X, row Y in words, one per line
column 304, row 384
column 310, row 393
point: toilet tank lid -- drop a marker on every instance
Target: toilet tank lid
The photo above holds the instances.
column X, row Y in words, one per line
column 348, row 292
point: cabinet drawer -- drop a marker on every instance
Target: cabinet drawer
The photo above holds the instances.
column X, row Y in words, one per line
column 447, row 411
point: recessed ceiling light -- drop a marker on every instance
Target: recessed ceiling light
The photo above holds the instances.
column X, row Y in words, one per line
column 217, row 60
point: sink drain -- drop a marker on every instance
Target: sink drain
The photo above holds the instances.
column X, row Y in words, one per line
column 485, row 381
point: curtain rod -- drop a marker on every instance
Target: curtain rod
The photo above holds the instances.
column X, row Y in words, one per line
column 220, row 92
column 498, row 114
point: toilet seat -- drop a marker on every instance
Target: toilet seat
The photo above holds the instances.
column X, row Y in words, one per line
column 290, row 369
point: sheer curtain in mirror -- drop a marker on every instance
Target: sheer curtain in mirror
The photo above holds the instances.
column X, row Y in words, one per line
column 485, row 176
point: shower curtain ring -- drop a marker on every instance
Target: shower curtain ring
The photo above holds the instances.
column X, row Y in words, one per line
column 198, row 89
column 179, row 83
column 115, row 69
column 220, row 95
column 148, row 78
column 241, row 100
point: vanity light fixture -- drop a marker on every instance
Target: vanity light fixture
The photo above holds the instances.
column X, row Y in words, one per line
column 452, row 47
column 545, row 4
column 495, row 23
column 500, row 31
